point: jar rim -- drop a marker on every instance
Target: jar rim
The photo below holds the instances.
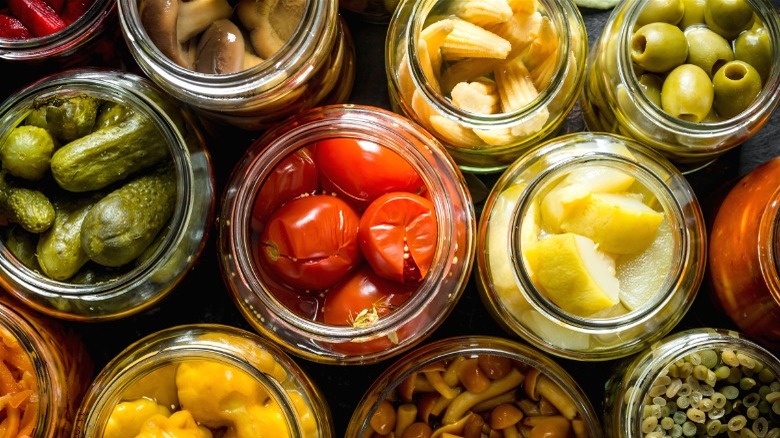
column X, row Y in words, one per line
column 764, row 103
column 392, row 131
column 769, row 245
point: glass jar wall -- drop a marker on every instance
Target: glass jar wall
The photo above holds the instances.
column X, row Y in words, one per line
column 487, row 83
column 744, row 258
column 627, row 90
column 590, row 246
column 296, row 55
column 201, row 380
column 346, row 234
column 107, row 224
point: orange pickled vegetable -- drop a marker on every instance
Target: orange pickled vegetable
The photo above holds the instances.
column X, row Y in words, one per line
column 18, row 389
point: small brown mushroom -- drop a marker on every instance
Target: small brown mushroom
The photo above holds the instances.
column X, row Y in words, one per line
column 473, row 377
column 159, row 20
column 505, row 415
column 552, row 427
column 195, row 16
column 406, row 387
column 383, row 420
column 418, row 430
column 220, row 49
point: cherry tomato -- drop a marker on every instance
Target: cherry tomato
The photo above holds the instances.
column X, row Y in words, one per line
column 398, row 236
column 361, row 170
column 311, row 241
column 295, row 175
column 363, row 298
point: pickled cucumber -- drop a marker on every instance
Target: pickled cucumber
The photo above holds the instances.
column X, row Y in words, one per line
column 31, row 209
column 121, row 226
column 27, row 152
column 65, row 117
column 59, row 248
column 108, row 155
column 112, row 113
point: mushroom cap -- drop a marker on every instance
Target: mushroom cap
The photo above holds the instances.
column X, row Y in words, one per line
column 220, row 49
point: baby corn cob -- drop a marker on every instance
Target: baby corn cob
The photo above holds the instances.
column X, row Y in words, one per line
column 471, row 41
column 496, row 136
column 520, row 30
column 434, row 36
column 422, row 109
column 522, row 6
column 484, row 12
column 466, row 70
column 532, row 125
column 425, row 63
column 545, row 43
column 479, row 97
column 515, row 86
column 543, row 73
column 405, row 83
column 453, row 133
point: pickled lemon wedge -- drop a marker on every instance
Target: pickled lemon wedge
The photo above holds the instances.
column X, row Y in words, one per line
column 573, row 273
column 619, row 223
column 575, row 187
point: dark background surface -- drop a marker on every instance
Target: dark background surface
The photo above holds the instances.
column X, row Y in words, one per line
column 203, row 297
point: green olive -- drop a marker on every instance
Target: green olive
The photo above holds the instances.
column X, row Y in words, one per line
column 666, row 11
column 659, row 47
column 651, row 86
column 707, row 49
column 736, row 86
column 754, row 48
column 687, row 93
column 728, row 17
column 694, row 13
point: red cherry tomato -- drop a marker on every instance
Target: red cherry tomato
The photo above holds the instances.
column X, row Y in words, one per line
column 311, row 241
column 363, row 298
column 398, row 236
column 295, row 175
column 361, row 170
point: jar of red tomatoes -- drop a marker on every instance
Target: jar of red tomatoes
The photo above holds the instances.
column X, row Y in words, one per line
column 346, row 234
column 473, row 386
column 199, row 381
column 39, row 37
column 744, row 258
column 45, row 372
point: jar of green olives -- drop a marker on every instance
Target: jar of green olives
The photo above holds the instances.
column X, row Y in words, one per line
column 691, row 79
column 698, row 382
column 107, row 194
column 488, row 79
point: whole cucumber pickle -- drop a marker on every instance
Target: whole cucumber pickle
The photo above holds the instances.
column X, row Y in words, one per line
column 60, row 254
column 121, row 225
column 108, row 155
column 31, row 209
column 65, row 117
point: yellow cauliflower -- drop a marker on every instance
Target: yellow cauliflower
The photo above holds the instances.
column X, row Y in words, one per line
column 255, row 354
column 128, row 417
column 258, row 421
column 179, row 425
column 159, row 385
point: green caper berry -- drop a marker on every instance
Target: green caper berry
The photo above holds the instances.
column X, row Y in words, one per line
column 722, row 372
column 766, row 376
column 752, row 412
column 718, row 400
column 713, row 427
column 667, row 423
column 730, row 392
column 709, row 358
column 737, row 422
column 679, row 417
column 688, row 428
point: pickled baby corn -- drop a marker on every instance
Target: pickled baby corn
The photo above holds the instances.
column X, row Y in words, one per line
column 434, row 36
column 468, row 40
column 484, row 12
column 479, row 97
column 515, row 86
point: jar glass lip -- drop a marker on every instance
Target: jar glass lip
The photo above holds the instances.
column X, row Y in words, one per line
column 364, row 122
column 669, row 205
column 559, row 13
column 769, row 245
column 764, row 103
column 103, row 83
column 176, row 345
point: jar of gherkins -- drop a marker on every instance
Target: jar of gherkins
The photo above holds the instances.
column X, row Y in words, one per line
column 487, row 79
column 691, row 79
column 699, row 382
column 106, row 192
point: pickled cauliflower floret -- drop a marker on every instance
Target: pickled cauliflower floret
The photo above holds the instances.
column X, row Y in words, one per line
column 128, row 417
column 159, row 385
column 258, row 421
column 179, row 425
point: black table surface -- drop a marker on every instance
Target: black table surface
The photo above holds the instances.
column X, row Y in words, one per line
column 203, row 297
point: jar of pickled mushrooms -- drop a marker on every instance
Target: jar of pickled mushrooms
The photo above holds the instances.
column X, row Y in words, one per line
column 699, row 382
column 474, row 387
column 203, row 381
column 488, row 78
column 248, row 63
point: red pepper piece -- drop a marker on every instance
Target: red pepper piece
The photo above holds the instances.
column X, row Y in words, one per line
column 56, row 5
column 13, row 29
column 74, row 9
column 39, row 17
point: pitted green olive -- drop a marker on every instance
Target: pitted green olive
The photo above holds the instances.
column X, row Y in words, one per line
column 659, row 47
column 735, row 87
column 754, row 48
column 651, row 87
column 707, row 49
column 666, row 11
column 694, row 13
column 687, row 93
column 728, row 17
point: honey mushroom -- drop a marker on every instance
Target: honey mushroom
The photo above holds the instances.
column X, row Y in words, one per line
column 473, row 397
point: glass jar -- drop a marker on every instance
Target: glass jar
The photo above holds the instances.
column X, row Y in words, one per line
column 345, row 303
column 315, row 66
column 485, row 378
column 100, row 116
column 89, row 41
column 614, row 98
column 224, row 378
column 744, row 257
column 507, row 91
column 51, row 363
column 698, row 382
column 590, row 247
